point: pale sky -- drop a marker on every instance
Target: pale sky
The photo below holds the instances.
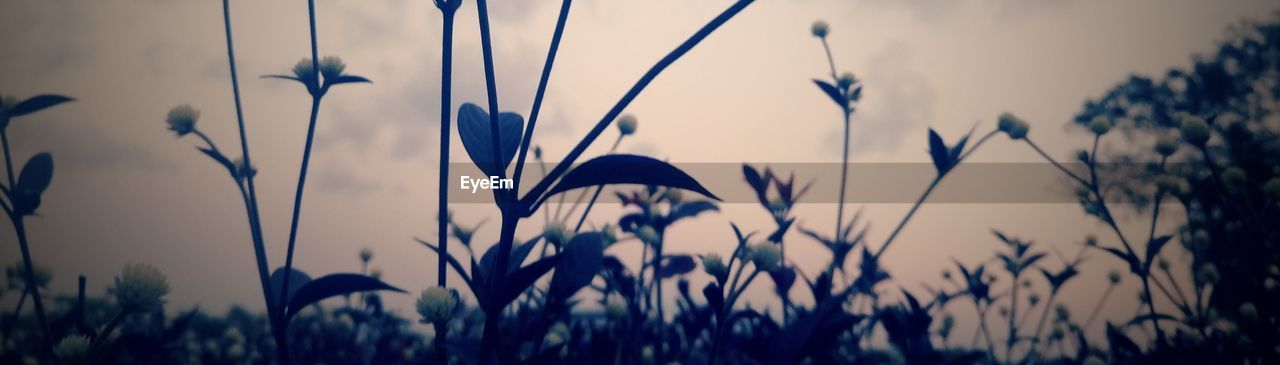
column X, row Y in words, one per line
column 125, row 190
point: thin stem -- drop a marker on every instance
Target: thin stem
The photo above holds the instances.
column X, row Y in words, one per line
column 844, row 167
column 20, row 228
column 831, row 61
column 1097, row 308
column 251, row 203
column 442, row 214
column 542, row 89
column 491, row 83
column 1055, row 162
column 599, row 189
column 535, row 194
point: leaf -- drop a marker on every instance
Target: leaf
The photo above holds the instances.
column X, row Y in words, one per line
column 474, row 127
column 331, row 286
column 219, row 158
column 938, row 151
column 36, row 175
column 583, row 258
column 832, row 92
column 523, row 278
column 691, row 209
column 297, row 279
column 1134, row 265
column 37, row 103
column 627, row 169
column 715, row 298
column 674, row 265
column 348, row 79
column 519, row 252
column 1154, row 247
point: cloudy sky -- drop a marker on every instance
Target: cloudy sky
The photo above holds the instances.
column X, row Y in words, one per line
column 127, row 190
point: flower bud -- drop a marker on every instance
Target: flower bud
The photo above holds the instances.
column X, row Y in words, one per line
column 1062, row 313
column 1113, row 277
column 304, row 70
column 436, row 305
column 946, row 274
column 1171, row 184
column 1012, row 126
column 765, row 255
column 1033, row 299
column 713, row 264
column 537, row 152
column 366, row 254
column 1194, row 130
column 73, row 349
column 1162, row 264
column 627, row 124
column 182, row 119
column 846, row 80
column 140, row 287
column 243, row 170
column 1091, row 240
column 1100, row 125
column 820, row 29
column 1167, row 145
column 1208, row 274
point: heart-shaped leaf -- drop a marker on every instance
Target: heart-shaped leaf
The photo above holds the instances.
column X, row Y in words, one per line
column 626, row 169
column 37, row 103
column 474, row 128
column 331, row 286
column 297, row 279
column 583, row 257
column 348, row 79
column 36, row 175
column 673, row 265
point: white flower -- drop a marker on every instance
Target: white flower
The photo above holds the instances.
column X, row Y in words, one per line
column 182, row 119
column 1167, row 145
column 141, row 287
column 556, row 233
column 72, row 349
column 436, row 305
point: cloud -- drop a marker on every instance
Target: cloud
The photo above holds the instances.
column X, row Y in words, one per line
column 895, row 101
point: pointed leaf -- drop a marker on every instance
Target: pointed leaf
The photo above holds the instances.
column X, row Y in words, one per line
column 348, row 79
column 474, row 128
column 523, row 278
column 1154, row 247
column 36, row 104
column 832, row 92
column 219, row 158
column 627, row 169
column 938, row 151
column 673, row 265
column 297, row 279
column 691, row 209
column 330, row 286
column 453, row 262
column 583, row 258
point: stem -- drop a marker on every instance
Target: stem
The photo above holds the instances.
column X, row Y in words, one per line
column 844, row 166
column 20, row 228
column 493, row 309
column 542, row 89
column 1097, row 308
column 446, row 82
column 1044, row 317
column 251, row 203
column 491, row 83
column 108, row 329
column 535, row 194
column 1055, row 162
column 599, row 189
column 1013, row 320
column 830, row 60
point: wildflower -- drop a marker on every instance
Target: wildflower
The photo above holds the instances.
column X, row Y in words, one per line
column 648, row 235
column 1167, row 145
column 1100, row 125
column 182, row 119
column 331, row 67
column 140, row 287
column 765, row 255
column 713, row 264
column 436, row 305
column 1014, row 127
column 556, row 233
column 820, row 29
column 1272, row 188
column 366, row 254
column 72, row 349
column 846, row 80
column 615, row 307
column 304, row 70
column 1248, row 311
column 1234, row 177
column 1113, row 277
column 1194, row 129
column 627, row 124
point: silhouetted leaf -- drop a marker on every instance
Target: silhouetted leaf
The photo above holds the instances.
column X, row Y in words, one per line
column 330, row 286
column 715, row 298
column 938, row 151
column 36, row 175
column 523, row 278
column 691, row 209
column 583, row 258
column 297, row 279
column 1134, row 265
column 519, row 252
column 832, row 92
column 37, row 103
column 348, row 79
column 1123, row 349
column 1154, row 247
column 627, row 169
column 474, row 128
column 220, row 159
column 673, row 265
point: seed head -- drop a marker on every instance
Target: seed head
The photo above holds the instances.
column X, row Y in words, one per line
column 73, row 349
column 182, row 119
column 436, row 305
column 140, row 287
column 627, row 124
column 820, row 29
column 1194, row 129
column 1100, row 125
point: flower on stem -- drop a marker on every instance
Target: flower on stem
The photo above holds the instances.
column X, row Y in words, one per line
column 437, row 304
column 713, row 264
column 73, row 349
column 1167, row 145
column 765, row 255
column 846, row 80
column 182, row 119
column 1012, row 126
column 366, row 254
column 243, row 171
column 627, row 124
column 556, row 233
column 140, row 287
column 648, row 235
column 1100, row 125
column 1194, row 129
column 331, row 67
column 820, row 29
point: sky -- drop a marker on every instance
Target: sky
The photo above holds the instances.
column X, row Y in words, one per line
column 126, row 190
